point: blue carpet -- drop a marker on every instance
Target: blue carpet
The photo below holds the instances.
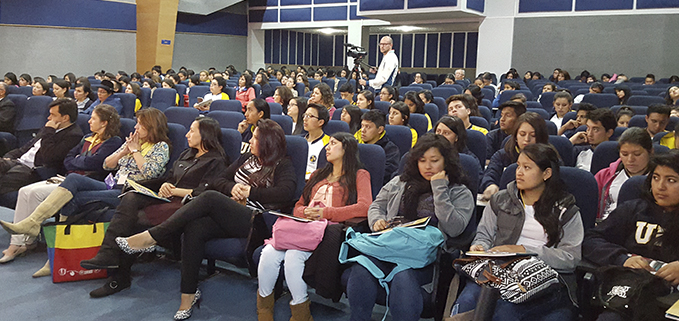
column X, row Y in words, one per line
column 154, row 294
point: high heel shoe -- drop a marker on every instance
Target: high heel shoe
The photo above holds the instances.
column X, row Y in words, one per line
column 185, row 314
column 9, row 257
column 123, row 245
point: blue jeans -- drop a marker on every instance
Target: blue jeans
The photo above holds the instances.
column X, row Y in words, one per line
column 84, row 190
column 553, row 306
column 363, row 291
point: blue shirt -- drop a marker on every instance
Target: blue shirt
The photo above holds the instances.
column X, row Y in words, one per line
column 113, row 101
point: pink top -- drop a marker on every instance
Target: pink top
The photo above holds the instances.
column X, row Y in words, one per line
column 245, row 96
column 338, row 212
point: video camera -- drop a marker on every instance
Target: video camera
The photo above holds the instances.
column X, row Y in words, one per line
column 355, row 52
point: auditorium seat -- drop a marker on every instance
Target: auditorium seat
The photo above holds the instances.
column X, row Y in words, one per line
column 335, row 126
column 197, row 91
column 401, row 136
column 601, row 100
column 275, row 109
column 181, row 115
column 164, row 98
column 285, row 121
column 128, row 101
column 645, row 100
column 226, row 105
column 227, row 119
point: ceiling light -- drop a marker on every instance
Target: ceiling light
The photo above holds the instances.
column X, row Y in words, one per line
column 329, row 31
column 407, row 28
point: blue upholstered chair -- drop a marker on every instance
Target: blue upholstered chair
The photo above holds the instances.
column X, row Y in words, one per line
column 564, row 148
column 164, row 98
column 181, row 115
column 33, row 118
column 285, row 121
column 128, row 101
column 419, row 123
column 227, row 119
column 476, row 142
column 198, row 91
column 401, row 136
column 231, row 142
column 226, row 105
column 335, row 126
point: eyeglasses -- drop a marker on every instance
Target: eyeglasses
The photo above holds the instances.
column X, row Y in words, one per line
column 309, row 116
column 385, row 44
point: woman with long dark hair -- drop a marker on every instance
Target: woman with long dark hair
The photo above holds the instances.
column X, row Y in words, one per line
column 352, row 116
column 256, row 109
column 365, row 100
column 535, row 214
column 642, row 230
column 399, row 114
column 672, row 96
column 416, row 105
column 530, row 128
column 245, row 93
column 623, row 92
column 322, row 95
column 296, row 108
column 349, row 187
column 264, row 176
column 282, row 96
column 389, row 93
column 432, row 185
column 452, row 128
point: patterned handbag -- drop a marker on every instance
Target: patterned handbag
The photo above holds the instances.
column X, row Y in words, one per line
column 518, row 278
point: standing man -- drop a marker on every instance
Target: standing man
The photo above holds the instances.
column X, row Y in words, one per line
column 386, row 74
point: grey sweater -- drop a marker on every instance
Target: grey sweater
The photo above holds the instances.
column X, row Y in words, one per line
column 453, row 205
column 505, row 227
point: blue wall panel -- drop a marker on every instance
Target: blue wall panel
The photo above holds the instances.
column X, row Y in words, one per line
column 444, row 50
column 329, row 1
column 284, row 46
column 276, row 55
column 397, row 43
column 545, row 5
column 292, row 48
column 458, row 49
column 649, row 4
column 325, row 50
column 419, row 44
column 339, row 51
column 222, row 23
column 381, row 4
column 432, row 50
column 268, row 47
column 330, row 13
column 372, row 50
column 353, row 15
column 307, row 49
column 472, row 45
column 406, row 51
column 303, row 14
column 293, row 2
column 315, row 49
column 477, row 5
column 413, row 4
column 585, row 5
column 300, row 48
column 70, row 13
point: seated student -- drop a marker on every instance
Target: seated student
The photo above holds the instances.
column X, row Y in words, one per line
column 60, row 89
column 351, row 196
column 509, row 85
column 641, row 230
column 365, row 100
column 672, row 96
column 143, row 156
column 282, row 96
column 657, row 117
column 475, row 91
column 352, row 116
column 509, row 112
column 290, row 84
column 256, row 109
column 418, row 79
column 40, row 87
column 25, row 80
column 595, row 88
column 600, row 127
column 7, row 110
column 635, row 150
column 296, row 109
column 347, row 93
column 487, row 79
column 416, row 106
column 464, row 106
column 432, row 184
column 650, row 80
column 399, row 114
column 389, row 93
column 263, row 81
column 105, row 96
column 265, row 176
column 372, row 132
column 322, row 95
column 563, row 102
column 452, row 128
column 426, row 96
column 625, row 113
column 47, row 149
column 315, row 118
column 86, row 158
column 133, row 88
column 168, row 83
column 450, row 78
column 547, row 88
column 245, row 92
column 534, row 214
column 570, row 127
column 623, row 92
column 530, row 129
column 216, row 87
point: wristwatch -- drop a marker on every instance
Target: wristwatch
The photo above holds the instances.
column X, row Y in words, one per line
column 134, row 151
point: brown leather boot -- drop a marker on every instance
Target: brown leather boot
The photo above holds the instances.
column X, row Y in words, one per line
column 265, row 307
column 301, row 312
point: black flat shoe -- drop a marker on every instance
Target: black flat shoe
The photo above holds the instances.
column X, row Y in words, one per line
column 100, row 261
column 112, row 286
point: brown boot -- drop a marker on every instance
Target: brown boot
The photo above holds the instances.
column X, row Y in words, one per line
column 265, row 307
column 50, row 206
column 301, row 312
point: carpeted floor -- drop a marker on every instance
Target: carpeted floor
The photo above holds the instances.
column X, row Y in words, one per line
column 154, row 294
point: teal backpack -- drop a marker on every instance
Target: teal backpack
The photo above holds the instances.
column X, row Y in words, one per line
column 408, row 248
